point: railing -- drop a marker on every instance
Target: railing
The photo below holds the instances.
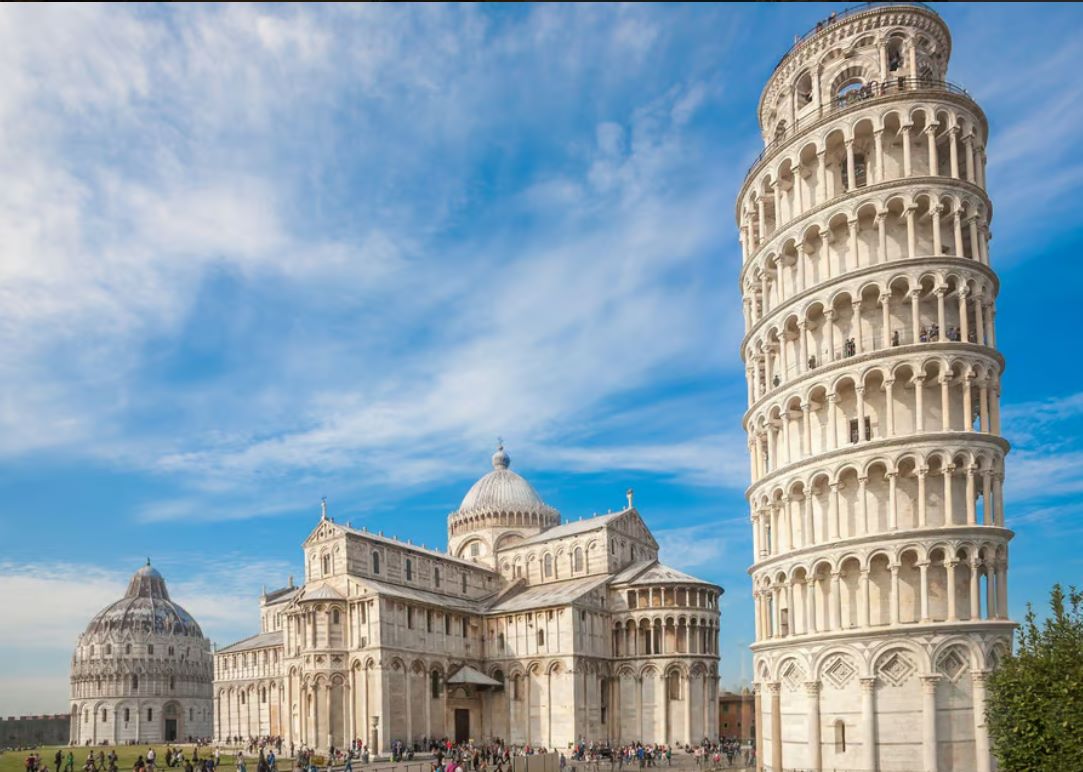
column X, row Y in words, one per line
column 834, row 17
column 872, row 90
column 822, row 356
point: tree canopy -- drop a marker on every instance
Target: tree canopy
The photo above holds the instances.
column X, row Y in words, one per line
column 1035, row 706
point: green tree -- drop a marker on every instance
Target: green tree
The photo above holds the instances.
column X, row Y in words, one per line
column 1035, row 706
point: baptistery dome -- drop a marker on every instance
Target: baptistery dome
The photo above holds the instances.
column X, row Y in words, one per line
column 141, row 671
column 499, row 509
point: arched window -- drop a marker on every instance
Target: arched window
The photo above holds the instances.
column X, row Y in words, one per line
column 334, row 617
column 548, row 566
column 840, row 736
column 434, row 683
column 515, row 687
column 326, row 565
column 541, row 637
column 375, row 562
column 500, row 640
column 804, row 89
column 135, row 682
column 263, row 694
column 150, row 648
column 242, row 698
column 464, row 582
column 172, row 683
column 108, row 648
column 170, row 652
column 436, row 576
column 475, row 549
column 577, row 564
column 92, row 650
column 409, row 570
column 105, row 714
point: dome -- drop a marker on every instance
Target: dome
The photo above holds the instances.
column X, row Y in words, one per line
column 145, row 608
column 502, row 490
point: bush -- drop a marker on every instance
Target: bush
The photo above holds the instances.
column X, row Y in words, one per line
column 1035, row 707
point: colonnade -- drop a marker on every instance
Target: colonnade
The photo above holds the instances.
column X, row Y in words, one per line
column 639, row 637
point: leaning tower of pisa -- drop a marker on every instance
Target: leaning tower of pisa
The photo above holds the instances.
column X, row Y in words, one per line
column 880, row 551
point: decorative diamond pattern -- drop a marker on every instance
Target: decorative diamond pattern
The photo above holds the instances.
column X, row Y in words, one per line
column 839, row 671
column 952, row 664
column 896, row 669
column 793, row 675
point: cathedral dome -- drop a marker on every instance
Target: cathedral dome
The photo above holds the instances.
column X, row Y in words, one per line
column 145, row 608
column 501, row 490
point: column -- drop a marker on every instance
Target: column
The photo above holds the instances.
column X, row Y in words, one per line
column 859, row 394
column 949, row 566
column 761, row 225
column 923, row 569
column 758, row 699
column 957, row 231
column 975, row 587
column 810, row 604
column 983, row 406
column 881, row 235
column 863, row 598
column 856, row 327
column 851, row 177
column 802, row 328
column 892, row 499
column 1002, row 590
column 968, row 407
column 964, row 320
column 987, row 497
column 878, row 138
column 990, row 591
column 812, row 732
column 940, row 315
column 829, row 323
column 981, row 731
column 889, row 406
column 915, row 315
column 953, row 150
column 833, row 421
column 919, row 406
column 821, row 177
column 905, row 131
column 968, row 154
column 945, row 403
column 922, row 518
column 893, row 601
column 868, row 721
column 862, row 506
column 885, row 320
column 808, row 531
column 834, row 532
column 836, row 601
column 934, row 215
column 971, row 503
column 776, row 725
column 911, row 234
column 972, row 224
column 934, row 161
column 806, row 434
column 949, row 514
column 928, row 722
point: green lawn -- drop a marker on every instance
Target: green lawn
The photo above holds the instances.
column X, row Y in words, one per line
column 15, row 761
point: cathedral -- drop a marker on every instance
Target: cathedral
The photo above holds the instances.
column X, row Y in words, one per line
column 528, row 629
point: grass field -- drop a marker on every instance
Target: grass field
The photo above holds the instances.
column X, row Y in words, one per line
column 15, row 761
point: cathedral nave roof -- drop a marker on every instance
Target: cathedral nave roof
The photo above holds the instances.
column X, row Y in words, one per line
column 258, row 641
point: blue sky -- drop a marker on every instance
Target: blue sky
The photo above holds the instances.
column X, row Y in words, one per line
column 250, row 256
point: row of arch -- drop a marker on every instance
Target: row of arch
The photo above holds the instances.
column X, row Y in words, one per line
column 912, row 584
column 893, row 229
column 889, row 401
column 877, row 146
column 879, row 495
column 666, row 636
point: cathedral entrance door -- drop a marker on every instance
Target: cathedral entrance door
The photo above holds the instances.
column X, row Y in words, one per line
column 462, row 725
column 170, row 730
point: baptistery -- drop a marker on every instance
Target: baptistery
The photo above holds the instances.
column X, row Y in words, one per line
column 141, row 671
